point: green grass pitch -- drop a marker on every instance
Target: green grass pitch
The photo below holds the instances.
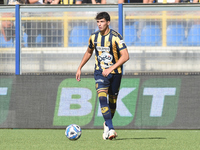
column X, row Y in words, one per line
column 54, row 139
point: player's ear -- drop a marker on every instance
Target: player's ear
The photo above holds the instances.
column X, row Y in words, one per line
column 108, row 22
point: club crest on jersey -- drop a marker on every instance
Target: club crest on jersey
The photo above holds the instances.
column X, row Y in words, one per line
column 108, row 43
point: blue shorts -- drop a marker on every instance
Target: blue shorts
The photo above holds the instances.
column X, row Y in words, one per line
column 110, row 83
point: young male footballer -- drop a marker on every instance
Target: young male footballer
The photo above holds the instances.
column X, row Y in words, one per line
column 110, row 54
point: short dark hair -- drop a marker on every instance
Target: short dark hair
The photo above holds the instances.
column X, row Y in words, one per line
column 102, row 15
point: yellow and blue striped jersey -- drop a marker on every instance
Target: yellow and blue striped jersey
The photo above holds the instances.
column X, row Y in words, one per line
column 107, row 49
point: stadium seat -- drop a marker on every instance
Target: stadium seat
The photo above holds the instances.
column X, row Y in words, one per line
column 130, row 35
column 25, row 40
column 193, row 38
column 40, row 40
column 4, row 43
column 150, row 36
column 79, row 36
column 175, row 35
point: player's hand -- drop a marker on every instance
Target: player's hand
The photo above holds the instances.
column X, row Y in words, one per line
column 78, row 75
column 106, row 72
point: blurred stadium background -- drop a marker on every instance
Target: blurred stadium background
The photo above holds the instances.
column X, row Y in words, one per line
column 162, row 39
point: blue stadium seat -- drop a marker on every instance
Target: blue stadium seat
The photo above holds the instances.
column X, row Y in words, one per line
column 150, row 36
column 4, row 43
column 25, row 40
column 40, row 40
column 193, row 38
column 130, row 35
column 175, row 35
column 79, row 36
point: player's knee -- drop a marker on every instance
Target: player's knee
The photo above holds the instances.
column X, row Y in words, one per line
column 102, row 94
column 102, row 98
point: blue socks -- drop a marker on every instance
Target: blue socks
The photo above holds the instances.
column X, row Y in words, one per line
column 105, row 109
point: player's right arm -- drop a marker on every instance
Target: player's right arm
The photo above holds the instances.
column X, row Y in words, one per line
column 86, row 57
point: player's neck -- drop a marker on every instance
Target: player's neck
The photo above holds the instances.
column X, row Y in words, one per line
column 106, row 31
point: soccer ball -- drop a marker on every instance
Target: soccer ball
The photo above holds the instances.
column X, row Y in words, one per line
column 73, row 132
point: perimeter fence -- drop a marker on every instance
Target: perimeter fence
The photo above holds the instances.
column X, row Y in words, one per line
column 42, row 46
column 53, row 39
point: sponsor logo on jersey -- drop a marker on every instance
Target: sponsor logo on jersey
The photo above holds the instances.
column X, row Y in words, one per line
column 121, row 42
column 106, row 66
column 103, row 49
column 105, row 57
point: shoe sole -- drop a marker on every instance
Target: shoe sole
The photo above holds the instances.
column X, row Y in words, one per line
column 112, row 137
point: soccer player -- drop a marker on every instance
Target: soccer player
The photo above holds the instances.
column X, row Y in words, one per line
column 110, row 54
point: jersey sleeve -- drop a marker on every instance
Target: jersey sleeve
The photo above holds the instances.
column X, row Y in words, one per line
column 91, row 43
column 120, row 43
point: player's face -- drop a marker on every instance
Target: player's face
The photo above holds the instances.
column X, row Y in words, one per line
column 103, row 24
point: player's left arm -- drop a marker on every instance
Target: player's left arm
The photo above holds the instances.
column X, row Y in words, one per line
column 124, row 57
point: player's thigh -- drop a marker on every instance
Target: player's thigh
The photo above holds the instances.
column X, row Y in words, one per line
column 115, row 85
column 102, row 83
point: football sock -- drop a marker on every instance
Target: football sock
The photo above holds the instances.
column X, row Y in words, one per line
column 112, row 104
column 105, row 109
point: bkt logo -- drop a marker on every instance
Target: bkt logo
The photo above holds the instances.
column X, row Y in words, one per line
column 156, row 101
column 5, row 92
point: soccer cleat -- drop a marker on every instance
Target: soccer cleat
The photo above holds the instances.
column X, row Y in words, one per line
column 112, row 134
column 105, row 132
